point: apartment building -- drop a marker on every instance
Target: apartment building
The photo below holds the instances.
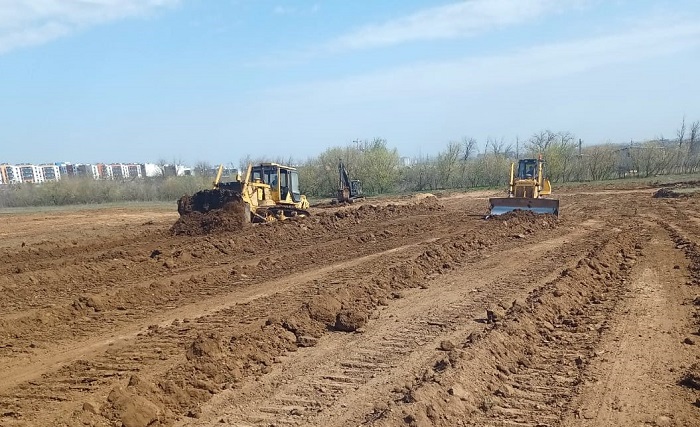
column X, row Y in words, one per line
column 101, row 171
column 10, row 174
column 51, row 172
column 119, row 170
column 134, row 170
column 16, row 174
column 30, row 173
column 66, row 169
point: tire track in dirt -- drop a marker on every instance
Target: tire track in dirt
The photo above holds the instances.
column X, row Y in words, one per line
column 155, row 352
column 628, row 385
column 346, row 372
column 60, row 272
column 138, row 297
column 525, row 369
column 57, row 357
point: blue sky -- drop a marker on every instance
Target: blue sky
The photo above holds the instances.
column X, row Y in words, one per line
column 130, row 80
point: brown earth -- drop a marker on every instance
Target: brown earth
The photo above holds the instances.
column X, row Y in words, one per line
column 230, row 217
column 407, row 311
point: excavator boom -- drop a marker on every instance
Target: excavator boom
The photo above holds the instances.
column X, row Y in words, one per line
column 348, row 189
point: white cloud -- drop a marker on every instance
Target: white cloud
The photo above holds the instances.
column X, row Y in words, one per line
column 448, row 78
column 455, row 20
column 32, row 22
column 288, row 10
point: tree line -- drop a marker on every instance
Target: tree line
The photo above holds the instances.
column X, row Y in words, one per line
column 464, row 164
column 460, row 164
column 86, row 190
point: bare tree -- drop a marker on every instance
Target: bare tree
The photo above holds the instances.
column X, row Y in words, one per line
column 695, row 131
column 601, row 161
column 469, row 148
column 498, row 147
column 680, row 133
column 694, row 138
column 541, row 141
column 447, row 163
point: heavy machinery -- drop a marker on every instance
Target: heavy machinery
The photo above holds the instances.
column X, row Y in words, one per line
column 267, row 192
column 526, row 190
column 349, row 190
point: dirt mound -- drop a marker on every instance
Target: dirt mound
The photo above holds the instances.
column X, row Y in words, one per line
column 133, row 405
column 229, row 217
column 423, row 205
column 677, row 184
column 525, row 220
column 349, row 321
column 667, row 193
column 207, row 200
column 205, row 346
column 549, row 334
column 521, row 216
column 691, row 378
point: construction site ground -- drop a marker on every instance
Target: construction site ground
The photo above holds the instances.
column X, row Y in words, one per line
column 410, row 311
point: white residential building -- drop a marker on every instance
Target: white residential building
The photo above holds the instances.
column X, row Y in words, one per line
column 21, row 173
column 31, row 173
column 134, row 170
column 119, row 170
column 51, row 172
column 96, row 171
column 10, row 174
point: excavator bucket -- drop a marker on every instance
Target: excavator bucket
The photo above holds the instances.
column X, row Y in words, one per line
column 501, row 205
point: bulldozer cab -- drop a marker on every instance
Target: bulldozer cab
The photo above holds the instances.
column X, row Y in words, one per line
column 283, row 181
column 527, row 169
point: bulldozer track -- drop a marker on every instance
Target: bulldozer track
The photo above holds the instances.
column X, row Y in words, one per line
column 310, row 394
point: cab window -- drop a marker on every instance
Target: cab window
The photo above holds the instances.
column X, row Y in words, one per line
column 294, row 186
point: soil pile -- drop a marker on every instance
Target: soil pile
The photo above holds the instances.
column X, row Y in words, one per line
column 131, row 406
column 691, row 378
column 667, row 193
column 207, row 200
column 518, row 217
column 210, row 211
column 372, row 212
column 549, row 335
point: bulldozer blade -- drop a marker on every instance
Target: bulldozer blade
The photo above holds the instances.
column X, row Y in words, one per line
column 501, row 205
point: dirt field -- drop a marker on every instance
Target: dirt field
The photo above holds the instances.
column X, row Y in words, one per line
column 413, row 311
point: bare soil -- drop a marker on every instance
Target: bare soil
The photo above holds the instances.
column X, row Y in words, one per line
column 410, row 311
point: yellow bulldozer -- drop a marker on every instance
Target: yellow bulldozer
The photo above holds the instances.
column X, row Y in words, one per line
column 267, row 192
column 526, row 190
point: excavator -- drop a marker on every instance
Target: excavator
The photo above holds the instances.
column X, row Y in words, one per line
column 526, row 190
column 349, row 190
column 267, row 192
